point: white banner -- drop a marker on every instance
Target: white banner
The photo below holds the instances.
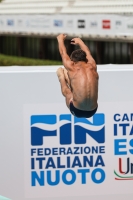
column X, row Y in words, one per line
column 65, row 155
column 102, row 25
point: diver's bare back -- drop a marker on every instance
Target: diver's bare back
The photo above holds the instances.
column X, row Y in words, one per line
column 84, row 85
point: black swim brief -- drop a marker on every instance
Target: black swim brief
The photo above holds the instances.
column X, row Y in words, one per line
column 81, row 113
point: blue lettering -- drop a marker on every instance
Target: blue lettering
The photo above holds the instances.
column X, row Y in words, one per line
column 59, row 163
column 125, row 117
column 69, row 151
column 94, row 150
column 80, row 134
column 40, row 160
column 73, row 177
column 99, row 161
column 54, row 151
column 123, row 128
column 47, row 151
column 131, row 132
column 76, row 162
column 115, row 129
column 87, row 161
column 117, row 147
column 65, row 130
column 116, row 117
column 36, row 178
column 76, row 150
column 32, row 163
column 87, row 150
column 57, row 178
column 83, row 174
column 38, row 134
column 40, row 152
column 33, row 151
column 50, row 163
column 81, row 152
column 131, row 144
column 62, row 150
column 68, row 161
column 93, row 175
column 68, row 177
column 102, row 149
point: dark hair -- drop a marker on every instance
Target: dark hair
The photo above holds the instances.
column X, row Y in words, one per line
column 78, row 55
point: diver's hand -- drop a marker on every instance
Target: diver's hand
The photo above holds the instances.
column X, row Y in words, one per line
column 61, row 37
column 76, row 41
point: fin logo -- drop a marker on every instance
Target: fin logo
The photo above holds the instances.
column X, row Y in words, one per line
column 46, row 126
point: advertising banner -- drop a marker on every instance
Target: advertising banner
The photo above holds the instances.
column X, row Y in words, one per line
column 95, row 24
column 65, row 155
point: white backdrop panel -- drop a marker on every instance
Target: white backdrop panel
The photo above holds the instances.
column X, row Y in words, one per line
column 31, row 103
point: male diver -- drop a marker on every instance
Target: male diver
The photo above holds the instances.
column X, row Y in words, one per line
column 79, row 78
